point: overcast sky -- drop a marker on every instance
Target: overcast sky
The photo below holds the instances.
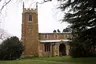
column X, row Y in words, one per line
column 48, row 16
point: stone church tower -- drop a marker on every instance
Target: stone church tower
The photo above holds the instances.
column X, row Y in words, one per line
column 30, row 31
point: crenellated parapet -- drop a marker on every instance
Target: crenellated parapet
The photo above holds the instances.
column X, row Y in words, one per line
column 31, row 10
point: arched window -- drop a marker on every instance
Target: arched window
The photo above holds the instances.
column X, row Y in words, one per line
column 30, row 17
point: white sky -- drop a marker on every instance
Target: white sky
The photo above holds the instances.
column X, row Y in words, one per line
column 48, row 17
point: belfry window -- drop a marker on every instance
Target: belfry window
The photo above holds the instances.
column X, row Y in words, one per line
column 30, row 17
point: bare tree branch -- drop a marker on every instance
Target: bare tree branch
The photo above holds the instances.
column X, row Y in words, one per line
column 1, row 36
column 4, row 4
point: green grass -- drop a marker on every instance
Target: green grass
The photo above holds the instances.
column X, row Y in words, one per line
column 88, row 60
column 25, row 62
column 53, row 60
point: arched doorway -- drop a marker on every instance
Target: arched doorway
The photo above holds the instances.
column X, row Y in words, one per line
column 62, row 50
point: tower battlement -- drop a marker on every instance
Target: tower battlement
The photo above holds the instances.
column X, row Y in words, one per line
column 31, row 10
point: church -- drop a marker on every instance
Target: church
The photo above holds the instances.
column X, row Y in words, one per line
column 42, row 44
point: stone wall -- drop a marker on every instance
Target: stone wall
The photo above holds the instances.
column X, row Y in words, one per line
column 30, row 32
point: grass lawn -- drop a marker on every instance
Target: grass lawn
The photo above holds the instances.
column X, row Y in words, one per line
column 25, row 62
column 53, row 60
column 87, row 60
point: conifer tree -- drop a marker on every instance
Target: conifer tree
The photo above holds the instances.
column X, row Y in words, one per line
column 82, row 17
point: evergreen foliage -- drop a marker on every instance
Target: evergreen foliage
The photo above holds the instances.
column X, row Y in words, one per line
column 54, row 31
column 58, row 30
column 82, row 17
column 67, row 30
column 11, row 49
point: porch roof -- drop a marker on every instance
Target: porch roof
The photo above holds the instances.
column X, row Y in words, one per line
column 64, row 40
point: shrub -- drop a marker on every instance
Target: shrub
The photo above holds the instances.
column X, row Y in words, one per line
column 11, row 49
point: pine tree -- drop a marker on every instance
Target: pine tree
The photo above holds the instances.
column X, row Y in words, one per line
column 82, row 17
